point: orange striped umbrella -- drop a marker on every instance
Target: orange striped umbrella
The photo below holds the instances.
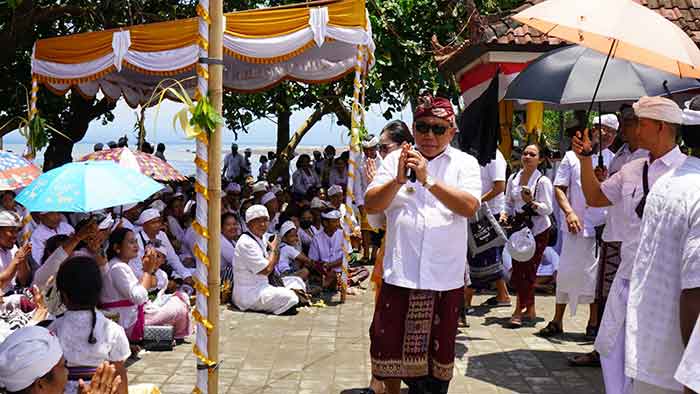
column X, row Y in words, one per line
column 145, row 163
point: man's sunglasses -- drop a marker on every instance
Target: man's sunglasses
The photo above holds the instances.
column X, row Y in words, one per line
column 424, row 128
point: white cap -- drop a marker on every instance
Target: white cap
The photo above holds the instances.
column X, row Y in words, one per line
column 233, row 188
column 248, row 150
column 267, row 197
column 256, row 211
column 287, row 227
column 158, row 205
column 26, row 355
column 333, row 190
column 658, row 108
column 106, row 223
column 609, row 120
column 521, row 245
column 148, row 215
column 690, row 117
column 374, row 141
column 10, row 219
column 260, row 187
column 334, row 214
column 317, row 203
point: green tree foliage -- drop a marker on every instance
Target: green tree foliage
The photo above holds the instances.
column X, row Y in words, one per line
column 402, row 32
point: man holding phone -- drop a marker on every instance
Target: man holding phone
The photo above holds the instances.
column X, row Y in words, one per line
column 426, row 248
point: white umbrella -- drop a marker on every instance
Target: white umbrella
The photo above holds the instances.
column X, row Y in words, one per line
column 621, row 28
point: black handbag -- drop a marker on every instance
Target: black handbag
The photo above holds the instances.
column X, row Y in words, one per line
column 158, row 338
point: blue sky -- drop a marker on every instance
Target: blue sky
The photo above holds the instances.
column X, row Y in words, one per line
column 261, row 132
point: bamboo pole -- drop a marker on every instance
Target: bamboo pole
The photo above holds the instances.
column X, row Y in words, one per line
column 216, row 52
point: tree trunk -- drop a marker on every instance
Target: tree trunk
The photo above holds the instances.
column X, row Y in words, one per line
column 283, row 129
column 74, row 125
column 282, row 163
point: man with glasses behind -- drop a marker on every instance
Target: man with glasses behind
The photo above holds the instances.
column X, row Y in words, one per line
column 415, row 320
column 656, row 132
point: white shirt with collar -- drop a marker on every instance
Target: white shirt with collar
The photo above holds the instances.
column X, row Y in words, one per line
column 251, row 258
column 543, row 193
column 614, row 229
column 569, row 176
column 624, row 190
column 42, row 233
column 173, row 260
column 491, row 173
column 426, row 247
column 666, row 263
column 327, row 249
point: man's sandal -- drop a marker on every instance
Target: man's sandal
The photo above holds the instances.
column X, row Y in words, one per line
column 552, row 330
column 591, row 359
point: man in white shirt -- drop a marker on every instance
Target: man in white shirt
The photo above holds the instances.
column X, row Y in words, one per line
column 625, row 190
column 664, row 287
column 255, row 260
column 578, row 268
column 426, row 248
column 234, row 164
column 151, row 223
column 14, row 267
column 50, row 224
column 486, row 268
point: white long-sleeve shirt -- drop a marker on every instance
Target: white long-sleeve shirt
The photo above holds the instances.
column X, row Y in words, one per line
column 543, row 193
column 171, row 257
column 119, row 283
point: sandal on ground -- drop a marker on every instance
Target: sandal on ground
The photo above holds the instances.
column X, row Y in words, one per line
column 591, row 359
column 515, row 322
column 591, row 332
column 493, row 302
column 552, row 329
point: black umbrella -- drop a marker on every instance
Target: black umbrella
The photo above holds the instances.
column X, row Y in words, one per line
column 566, row 77
column 574, row 77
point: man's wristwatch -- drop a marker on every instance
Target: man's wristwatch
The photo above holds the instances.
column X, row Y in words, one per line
column 429, row 182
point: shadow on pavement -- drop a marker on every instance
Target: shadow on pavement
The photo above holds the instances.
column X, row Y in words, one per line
column 532, row 371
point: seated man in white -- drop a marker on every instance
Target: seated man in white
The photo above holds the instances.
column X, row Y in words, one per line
column 151, row 225
column 255, row 259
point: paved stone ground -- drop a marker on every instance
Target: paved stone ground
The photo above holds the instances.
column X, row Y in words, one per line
column 325, row 350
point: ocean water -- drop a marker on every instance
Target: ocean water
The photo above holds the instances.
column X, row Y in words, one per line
column 181, row 155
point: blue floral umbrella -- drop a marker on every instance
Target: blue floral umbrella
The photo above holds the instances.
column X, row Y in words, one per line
column 86, row 187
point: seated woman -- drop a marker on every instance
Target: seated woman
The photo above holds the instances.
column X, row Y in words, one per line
column 87, row 337
column 255, row 259
column 126, row 293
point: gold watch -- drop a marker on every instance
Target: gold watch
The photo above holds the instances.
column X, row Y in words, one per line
column 429, row 182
